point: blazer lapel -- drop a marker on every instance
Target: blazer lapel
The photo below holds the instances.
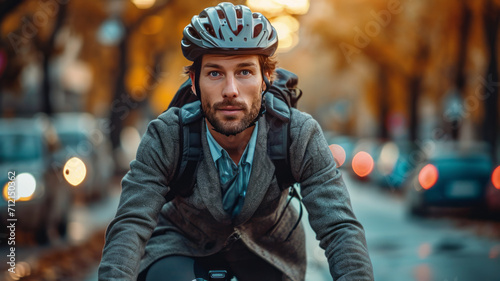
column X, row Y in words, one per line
column 208, row 182
column 260, row 177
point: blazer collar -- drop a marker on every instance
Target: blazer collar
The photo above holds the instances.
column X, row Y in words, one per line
column 209, row 184
column 260, row 177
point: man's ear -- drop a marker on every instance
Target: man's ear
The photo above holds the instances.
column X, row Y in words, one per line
column 191, row 76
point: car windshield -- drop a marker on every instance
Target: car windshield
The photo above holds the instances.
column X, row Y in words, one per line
column 19, row 147
column 72, row 139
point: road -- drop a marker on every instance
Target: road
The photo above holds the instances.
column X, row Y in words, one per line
column 403, row 248
column 440, row 249
column 421, row 249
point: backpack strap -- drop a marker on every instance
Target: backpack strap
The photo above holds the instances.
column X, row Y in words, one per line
column 191, row 151
column 278, row 143
column 278, row 139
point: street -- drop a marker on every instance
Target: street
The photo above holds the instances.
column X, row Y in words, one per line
column 400, row 248
column 421, row 249
column 410, row 249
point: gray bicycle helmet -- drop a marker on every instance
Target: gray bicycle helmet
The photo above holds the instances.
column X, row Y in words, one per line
column 228, row 29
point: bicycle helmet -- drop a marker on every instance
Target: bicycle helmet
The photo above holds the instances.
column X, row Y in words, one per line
column 228, row 29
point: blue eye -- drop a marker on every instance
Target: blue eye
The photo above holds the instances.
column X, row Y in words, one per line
column 214, row 74
column 245, row 72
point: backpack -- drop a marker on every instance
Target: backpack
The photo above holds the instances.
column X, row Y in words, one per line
column 281, row 96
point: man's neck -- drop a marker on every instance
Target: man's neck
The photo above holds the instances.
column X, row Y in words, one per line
column 234, row 145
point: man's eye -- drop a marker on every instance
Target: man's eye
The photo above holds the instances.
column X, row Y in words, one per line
column 213, row 74
column 245, row 72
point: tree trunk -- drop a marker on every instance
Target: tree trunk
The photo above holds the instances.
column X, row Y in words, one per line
column 490, row 125
column 383, row 104
column 121, row 104
column 47, row 50
column 460, row 79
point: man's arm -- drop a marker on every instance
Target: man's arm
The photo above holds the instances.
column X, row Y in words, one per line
column 143, row 194
column 327, row 201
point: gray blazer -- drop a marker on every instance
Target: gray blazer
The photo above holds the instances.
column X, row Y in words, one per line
column 146, row 227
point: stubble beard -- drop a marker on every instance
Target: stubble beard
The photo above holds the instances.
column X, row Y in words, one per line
column 230, row 125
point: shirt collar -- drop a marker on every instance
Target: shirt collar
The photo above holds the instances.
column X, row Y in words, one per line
column 216, row 149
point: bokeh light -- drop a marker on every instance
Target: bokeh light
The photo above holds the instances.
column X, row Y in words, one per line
column 26, row 185
column 110, row 32
column 271, row 7
column 495, row 178
column 338, row 154
column 297, row 7
column 24, row 188
column 422, row 272
column 287, row 27
column 424, row 250
column 23, row 269
column 494, row 252
column 75, row 171
column 130, row 140
column 388, row 158
column 144, row 4
column 362, row 164
column 428, row 176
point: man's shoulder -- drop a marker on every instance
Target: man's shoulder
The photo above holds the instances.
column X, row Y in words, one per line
column 165, row 126
column 298, row 119
column 170, row 116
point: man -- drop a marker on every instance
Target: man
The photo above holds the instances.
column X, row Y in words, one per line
column 236, row 218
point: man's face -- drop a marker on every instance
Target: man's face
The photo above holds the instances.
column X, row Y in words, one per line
column 231, row 88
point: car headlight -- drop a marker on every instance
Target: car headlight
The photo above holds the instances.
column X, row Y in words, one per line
column 75, row 171
column 23, row 189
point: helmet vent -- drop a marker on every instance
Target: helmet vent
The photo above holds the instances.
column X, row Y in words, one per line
column 271, row 34
column 193, row 33
column 209, row 29
column 239, row 14
column 221, row 14
column 256, row 30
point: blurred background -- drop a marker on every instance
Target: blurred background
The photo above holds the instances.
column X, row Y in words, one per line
column 406, row 92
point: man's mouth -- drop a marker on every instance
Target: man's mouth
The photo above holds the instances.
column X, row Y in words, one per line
column 230, row 109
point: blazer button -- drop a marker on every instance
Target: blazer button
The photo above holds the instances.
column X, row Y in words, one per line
column 209, row 245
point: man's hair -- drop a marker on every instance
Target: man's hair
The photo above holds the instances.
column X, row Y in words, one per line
column 267, row 65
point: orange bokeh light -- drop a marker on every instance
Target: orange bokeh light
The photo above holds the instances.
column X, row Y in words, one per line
column 362, row 164
column 495, row 178
column 428, row 176
column 338, row 154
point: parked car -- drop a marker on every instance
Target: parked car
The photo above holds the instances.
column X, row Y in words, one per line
column 452, row 177
column 84, row 156
column 394, row 163
column 41, row 206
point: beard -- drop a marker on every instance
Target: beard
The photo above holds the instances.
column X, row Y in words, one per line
column 230, row 125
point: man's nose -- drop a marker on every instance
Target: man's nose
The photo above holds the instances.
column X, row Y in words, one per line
column 230, row 88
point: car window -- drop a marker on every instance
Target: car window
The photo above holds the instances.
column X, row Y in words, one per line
column 17, row 147
column 72, row 139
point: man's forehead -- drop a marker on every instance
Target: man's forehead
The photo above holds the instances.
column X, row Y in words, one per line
column 229, row 60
